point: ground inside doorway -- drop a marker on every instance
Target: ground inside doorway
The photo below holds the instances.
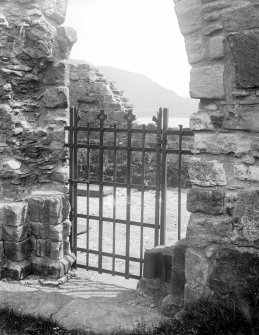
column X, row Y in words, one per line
column 81, row 303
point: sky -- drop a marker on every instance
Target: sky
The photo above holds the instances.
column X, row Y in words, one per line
column 136, row 35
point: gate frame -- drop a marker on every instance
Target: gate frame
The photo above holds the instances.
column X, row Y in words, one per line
column 161, row 151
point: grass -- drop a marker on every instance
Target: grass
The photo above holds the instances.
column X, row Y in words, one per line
column 206, row 317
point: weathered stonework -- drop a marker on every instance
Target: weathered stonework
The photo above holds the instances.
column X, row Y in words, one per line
column 222, row 43
column 34, row 103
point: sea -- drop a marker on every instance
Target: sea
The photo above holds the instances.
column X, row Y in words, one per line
column 173, row 122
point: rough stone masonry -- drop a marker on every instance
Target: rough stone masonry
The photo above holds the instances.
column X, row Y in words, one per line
column 222, row 43
column 34, row 101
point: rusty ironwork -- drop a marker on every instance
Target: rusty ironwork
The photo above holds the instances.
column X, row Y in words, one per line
column 92, row 143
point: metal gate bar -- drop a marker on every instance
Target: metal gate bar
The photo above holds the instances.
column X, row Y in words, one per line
column 161, row 133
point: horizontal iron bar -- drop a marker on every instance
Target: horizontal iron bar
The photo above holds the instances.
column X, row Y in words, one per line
column 186, row 132
column 133, row 149
column 108, row 254
column 132, row 223
column 92, row 268
column 107, row 183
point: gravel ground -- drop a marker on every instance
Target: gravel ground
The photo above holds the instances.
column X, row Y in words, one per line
column 135, row 232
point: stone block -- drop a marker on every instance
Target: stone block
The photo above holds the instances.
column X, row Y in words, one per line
column 18, row 251
column 56, row 232
column 16, row 234
column 15, row 214
column 67, row 225
column 52, row 268
column 55, row 210
column 207, row 82
column 223, row 143
column 66, row 246
column 16, row 270
column 245, row 49
column 55, row 10
column 216, row 47
column 245, row 117
column 243, row 18
column 38, row 208
column 246, row 219
column 204, row 230
column 206, row 201
column 56, row 97
column 57, row 74
column 178, row 268
column 66, row 37
column 203, row 172
column 157, row 263
column 196, row 268
column 235, row 270
column 42, row 248
column 189, row 15
column 201, row 121
column 40, row 230
column 56, row 250
column 195, row 47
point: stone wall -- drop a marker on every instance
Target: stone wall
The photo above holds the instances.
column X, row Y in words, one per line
column 34, row 103
column 222, row 43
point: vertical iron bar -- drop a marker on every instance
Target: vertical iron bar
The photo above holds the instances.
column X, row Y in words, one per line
column 142, row 198
column 71, row 173
column 75, row 119
column 164, row 177
column 158, row 176
column 130, row 117
column 87, row 198
column 114, row 195
column 101, row 117
column 180, row 180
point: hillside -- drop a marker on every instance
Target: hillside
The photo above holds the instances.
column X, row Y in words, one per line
column 146, row 95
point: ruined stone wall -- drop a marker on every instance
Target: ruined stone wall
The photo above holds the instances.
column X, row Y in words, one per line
column 34, row 103
column 222, row 43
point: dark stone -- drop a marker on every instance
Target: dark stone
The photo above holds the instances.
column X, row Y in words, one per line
column 18, row 251
column 234, row 271
column 243, row 18
column 178, row 268
column 16, row 270
column 206, row 201
column 245, row 50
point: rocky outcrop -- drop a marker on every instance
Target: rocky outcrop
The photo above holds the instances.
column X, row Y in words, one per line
column 34, row 103
column 222, row 44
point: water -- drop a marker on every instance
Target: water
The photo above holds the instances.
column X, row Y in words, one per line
column 173, row 121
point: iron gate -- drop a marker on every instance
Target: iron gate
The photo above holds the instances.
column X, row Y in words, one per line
column 120, row 146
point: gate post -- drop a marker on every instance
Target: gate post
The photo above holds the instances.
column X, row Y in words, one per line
column 164, row 177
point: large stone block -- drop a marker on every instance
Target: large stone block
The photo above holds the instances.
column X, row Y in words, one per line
column 216, row 47
column 195, row 47
column 57, row 74
column 206, row 173
column 223, row 143
column 208, row 201
column 235, row 271
column 207, row 82
column 66, row 37
column 52, row 268
column 178, row 268
column 16, row 270
column 55, row 210
column 42, row 248
column 246, row 172
column 242, row 18
column 56, row 250
column 196, row 268
column 16, row 234
column 204, row 230
column 56, row 97
column 55, row 10
column 246, row 219
column 245, row 49
column 189, row 15
column 18, row 251
column 15, row 214
column 243, row 117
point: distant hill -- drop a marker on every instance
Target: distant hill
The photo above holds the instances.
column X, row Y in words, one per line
column 146, row 95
